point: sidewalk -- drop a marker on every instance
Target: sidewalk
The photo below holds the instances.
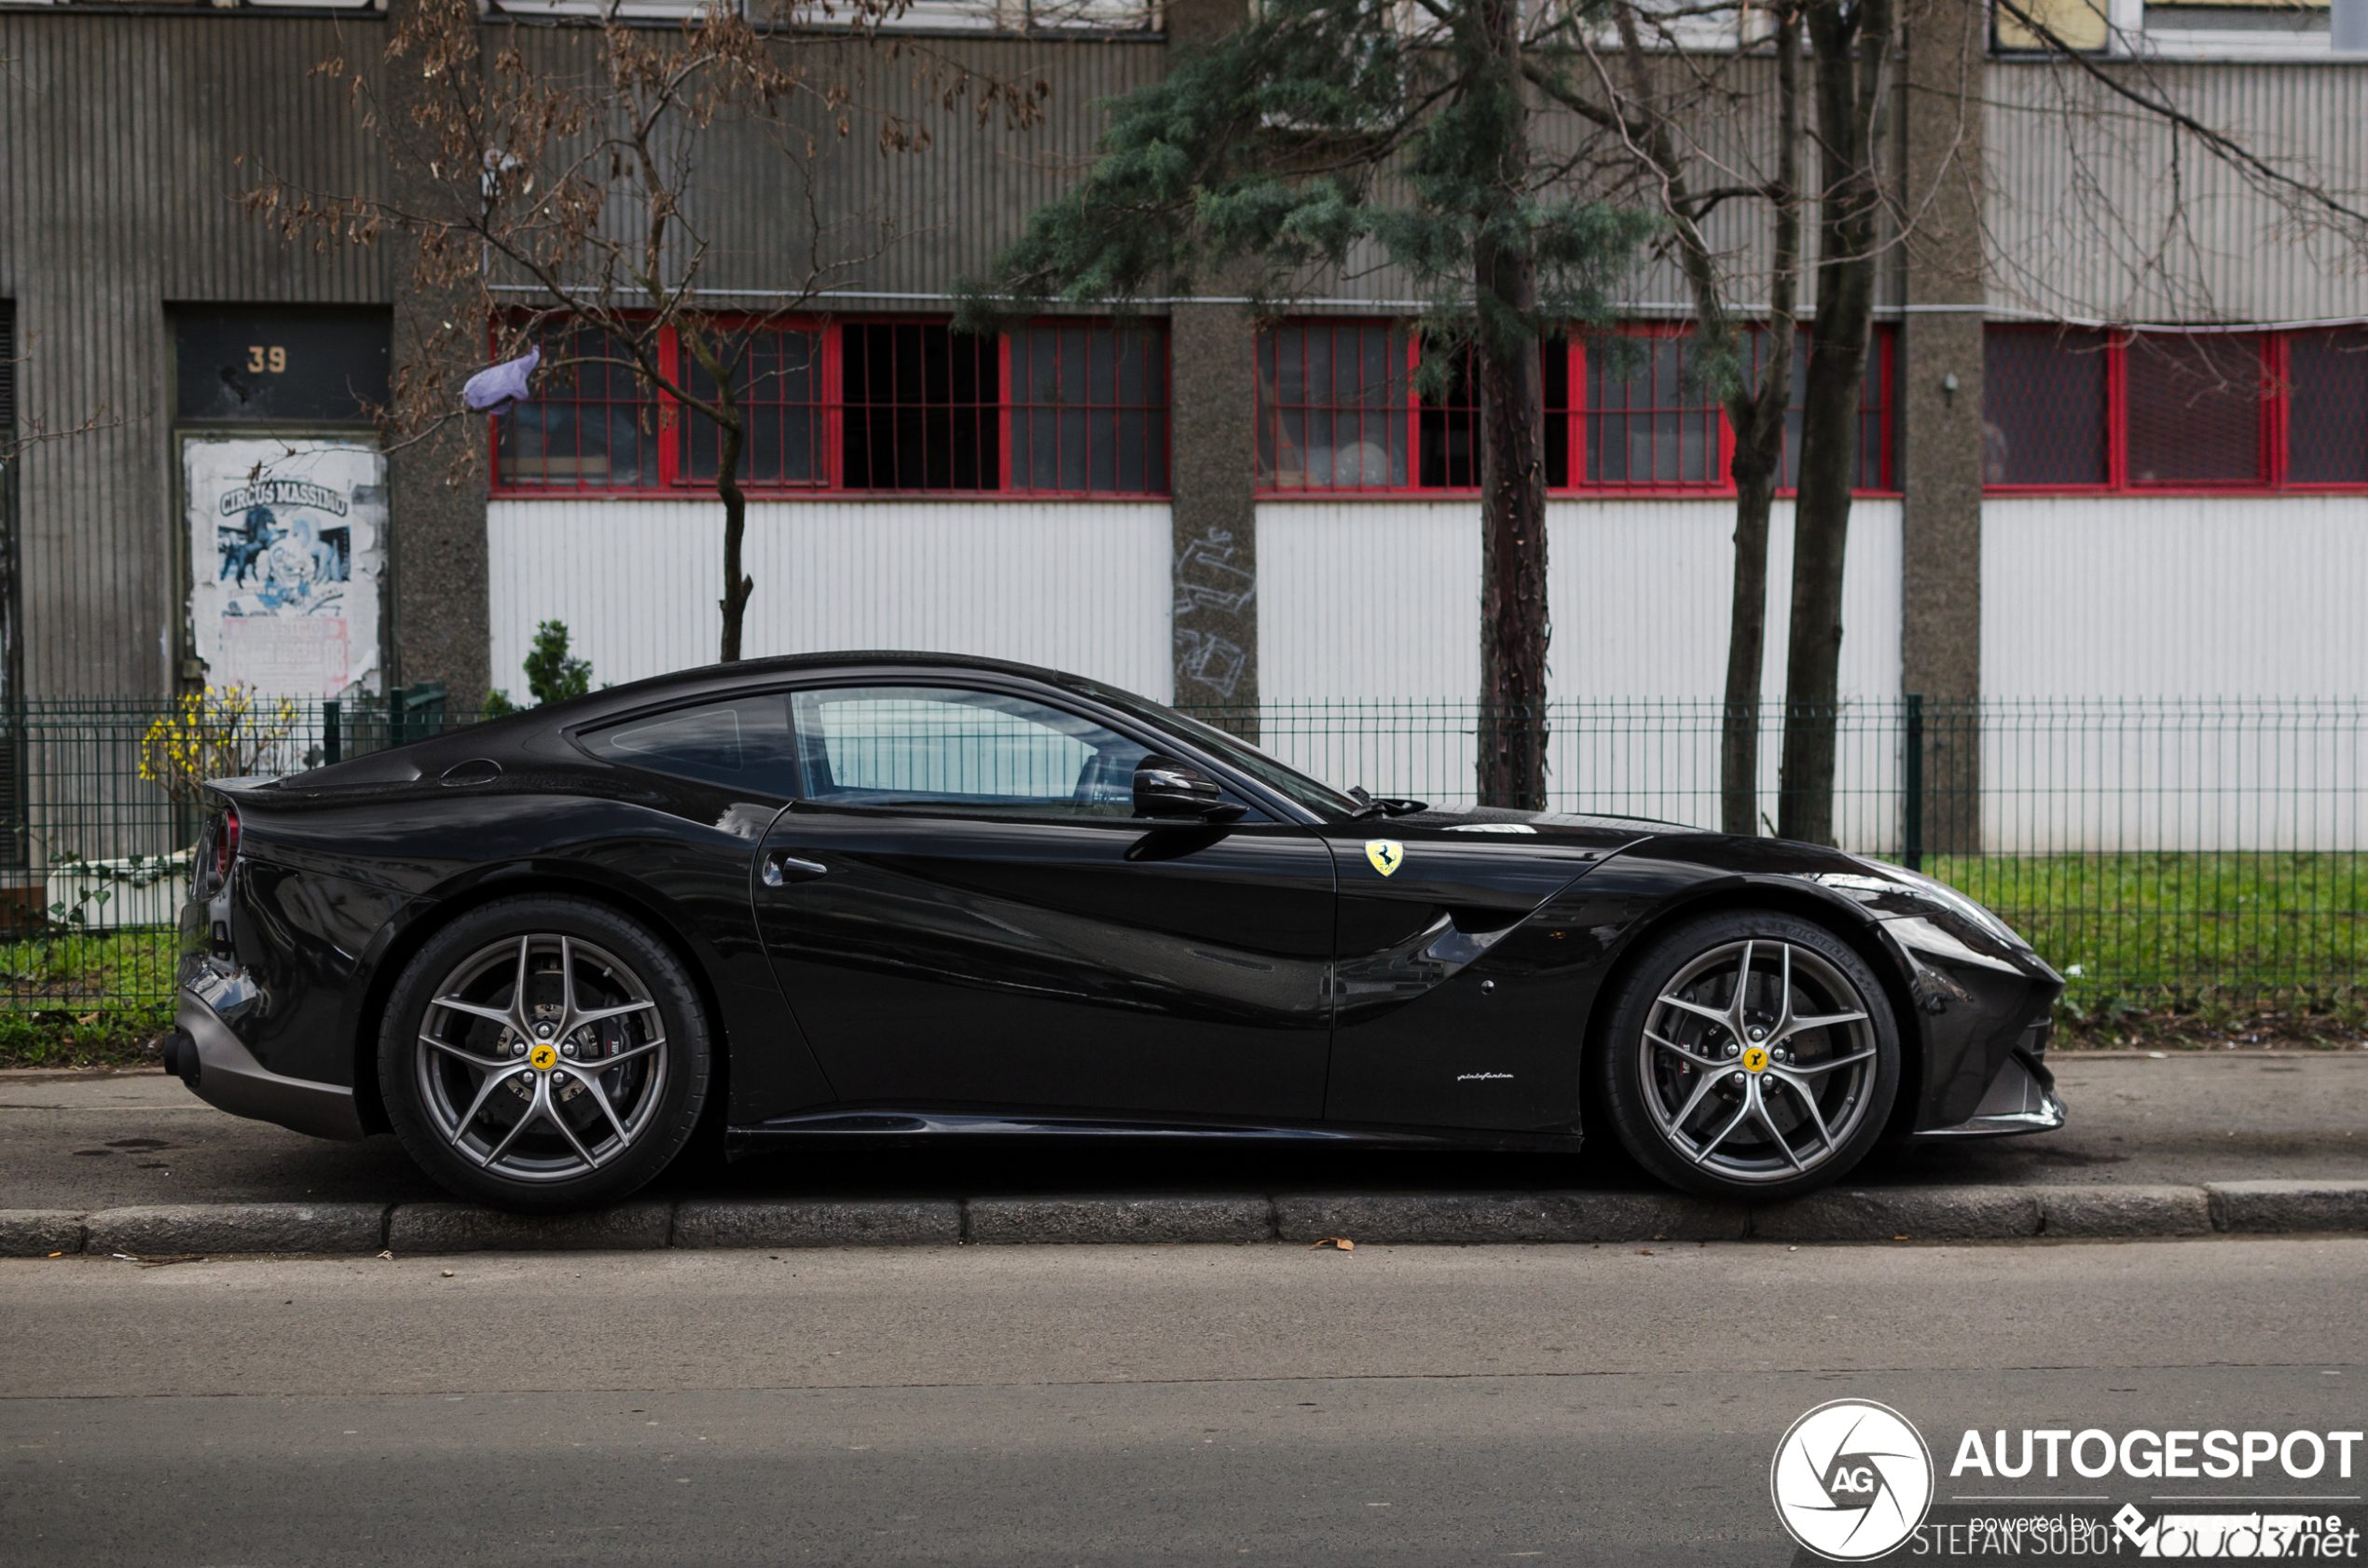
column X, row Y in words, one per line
column 2151, row 1148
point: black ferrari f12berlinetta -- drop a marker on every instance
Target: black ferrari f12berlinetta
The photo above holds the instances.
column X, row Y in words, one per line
column 919, row 896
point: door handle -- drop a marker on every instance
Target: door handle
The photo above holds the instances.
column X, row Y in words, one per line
column 781, row 869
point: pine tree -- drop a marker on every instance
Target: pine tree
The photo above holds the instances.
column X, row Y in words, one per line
column 1323, row 132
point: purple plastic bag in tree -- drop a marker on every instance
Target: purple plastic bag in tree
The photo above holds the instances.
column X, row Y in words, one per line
column 491, row 391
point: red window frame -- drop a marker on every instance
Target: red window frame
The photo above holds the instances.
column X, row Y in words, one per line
column 1410, row 414
column 1717, row 476
column 1394, row 419
column 2274, row 431
column 674, row 480
column 1153, row 409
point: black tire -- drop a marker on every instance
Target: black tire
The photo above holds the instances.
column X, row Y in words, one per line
column 1751, row 1105
column 502, row 1111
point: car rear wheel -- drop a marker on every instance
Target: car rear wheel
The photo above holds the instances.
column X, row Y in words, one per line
column 544, row 1053
column 1750, row 1055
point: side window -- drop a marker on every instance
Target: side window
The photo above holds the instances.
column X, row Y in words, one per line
column 742, row 744
column 961, row 750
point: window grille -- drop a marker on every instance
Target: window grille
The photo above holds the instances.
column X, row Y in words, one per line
column 1331, row 407
column 1089, row 409
column 2194, row 408
column 1653, row 420
column 921, row 408
column 2043, row 406
column 1875, row 469
column 1448, row 444
column 1060, row 409
column 591, row 425
column 2327, row 418
column 778, row 389
column 1555, row 363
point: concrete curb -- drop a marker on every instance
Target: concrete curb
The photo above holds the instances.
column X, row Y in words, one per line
column 2125, row 1211
column 1087, row 1219
column 39, row 1232
column 463, row 1228
column 856, row 1222
column 2289, row 1205
column 1390, row 1219
column 1919, row 1214
column 170, row 1228
column 1415, row 1219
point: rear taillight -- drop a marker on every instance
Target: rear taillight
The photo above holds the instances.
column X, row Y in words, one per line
column 225, row 846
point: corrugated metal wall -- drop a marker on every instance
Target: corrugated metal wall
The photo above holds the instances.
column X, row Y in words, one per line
column 1727, row 138
column 2174, row 597
column 118, row 184
column 2092, row 211
column 1075, row 586
column 1380, row 600
column 952, row 207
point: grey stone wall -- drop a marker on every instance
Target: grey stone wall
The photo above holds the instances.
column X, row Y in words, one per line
column 1214, row 515
column 1939, row 388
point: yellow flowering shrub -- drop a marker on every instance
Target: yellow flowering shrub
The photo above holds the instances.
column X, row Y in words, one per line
column 222, row 731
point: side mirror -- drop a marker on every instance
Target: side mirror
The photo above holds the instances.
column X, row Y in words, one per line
column 1178, row 791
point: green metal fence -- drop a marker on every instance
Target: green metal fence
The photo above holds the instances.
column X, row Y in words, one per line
column 2162, row 853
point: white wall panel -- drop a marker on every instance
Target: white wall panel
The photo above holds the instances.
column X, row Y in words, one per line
column 2140, row 596
column 1378, row 601
column 1080, row 587
column 1641, row 593
column 1364, row 599
column 1368, row 601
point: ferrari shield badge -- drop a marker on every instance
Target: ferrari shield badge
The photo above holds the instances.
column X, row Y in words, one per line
column 1385, row 854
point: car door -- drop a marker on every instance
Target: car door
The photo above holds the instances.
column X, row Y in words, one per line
column 964, row 912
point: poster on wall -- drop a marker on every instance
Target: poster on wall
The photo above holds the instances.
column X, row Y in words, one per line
column 287, row 545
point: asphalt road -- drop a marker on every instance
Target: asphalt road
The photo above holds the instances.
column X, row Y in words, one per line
column 75, row 1141
column 1168, row 1405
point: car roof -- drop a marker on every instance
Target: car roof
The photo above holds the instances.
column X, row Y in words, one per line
column 723, row 677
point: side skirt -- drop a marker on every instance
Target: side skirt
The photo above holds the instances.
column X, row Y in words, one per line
column 920, row 1127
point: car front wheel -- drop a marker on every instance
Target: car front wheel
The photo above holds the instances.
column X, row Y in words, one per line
column 1750, row 1055
column 543, row 1053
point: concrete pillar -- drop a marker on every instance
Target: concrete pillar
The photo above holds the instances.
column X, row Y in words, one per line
column 1212, row 464
column 439, row 624
column 1939, row 408
column 1213, row 526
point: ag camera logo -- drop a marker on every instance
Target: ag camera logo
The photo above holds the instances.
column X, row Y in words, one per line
column 1852, row 1479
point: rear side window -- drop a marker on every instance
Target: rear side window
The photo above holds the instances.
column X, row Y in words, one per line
column 950, row 748
column 743, row 743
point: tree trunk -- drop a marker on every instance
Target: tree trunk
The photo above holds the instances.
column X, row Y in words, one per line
column 1514, row 623
column 1746, row 641
column 1758, row 421
column 1849, row 53
column 737, row 584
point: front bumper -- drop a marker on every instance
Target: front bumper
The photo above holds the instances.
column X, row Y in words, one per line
column 2021, row 1099
column 228, row 1076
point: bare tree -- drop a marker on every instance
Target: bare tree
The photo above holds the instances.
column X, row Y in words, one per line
column 1705, row 108
column 554, row 191
column 1650, row 99
column 1694, row 130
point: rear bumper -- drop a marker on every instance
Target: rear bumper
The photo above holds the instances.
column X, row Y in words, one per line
column 228, row 1076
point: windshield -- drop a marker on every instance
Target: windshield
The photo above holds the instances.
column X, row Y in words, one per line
column 1276, row 775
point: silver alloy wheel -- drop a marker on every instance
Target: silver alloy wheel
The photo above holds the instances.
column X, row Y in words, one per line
column 542, row 1058
column 1758, row 1061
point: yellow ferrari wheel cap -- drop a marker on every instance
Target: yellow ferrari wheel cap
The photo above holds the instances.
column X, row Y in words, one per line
column 1386, row 854
column 546, row 1057
column 1755, row 1059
